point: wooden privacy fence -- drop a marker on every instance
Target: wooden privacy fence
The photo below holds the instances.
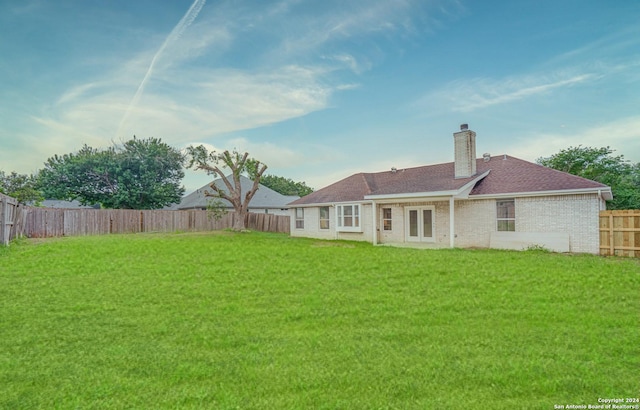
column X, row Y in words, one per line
column 620, row 233
column 8, row 211
column 50, row 222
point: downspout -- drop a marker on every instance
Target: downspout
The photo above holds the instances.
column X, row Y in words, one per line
column 601, row 200
column 375, row 223
column 452, row 242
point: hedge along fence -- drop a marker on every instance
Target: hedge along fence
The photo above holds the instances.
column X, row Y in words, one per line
column 51, row 222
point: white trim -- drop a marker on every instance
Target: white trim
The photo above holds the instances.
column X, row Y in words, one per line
column 413, row 195
column 600, row 191
column 463, row 191
column 374, row 215
column 332, row 204
column 339, row 221
column 452, row 234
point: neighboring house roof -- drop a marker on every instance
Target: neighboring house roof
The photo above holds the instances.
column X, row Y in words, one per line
column 264, row 198
column 55, row 203
column 501, row 175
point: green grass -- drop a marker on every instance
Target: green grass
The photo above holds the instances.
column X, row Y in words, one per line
column 264, row 321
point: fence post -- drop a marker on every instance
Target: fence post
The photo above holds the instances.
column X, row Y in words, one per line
column 611, row 239
column 4, row 238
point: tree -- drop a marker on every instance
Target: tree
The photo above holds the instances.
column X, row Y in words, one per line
column 22, row 187
column 285, row 186
column 214, row 163
column 139, row 174
column 598, row 164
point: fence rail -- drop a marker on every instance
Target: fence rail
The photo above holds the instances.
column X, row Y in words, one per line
column 620, row 233
column 50, row 222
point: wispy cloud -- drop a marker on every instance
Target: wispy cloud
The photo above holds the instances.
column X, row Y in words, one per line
column 175, row 34
column 180, row 92
column 188, row 85
column 351, row 62
column 477, row 93
column 201, row 103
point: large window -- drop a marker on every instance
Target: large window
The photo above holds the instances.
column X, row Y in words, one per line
column 299, row 218
column 348, row 218
column 324, row 217
column 386, row 219
column 506, row 215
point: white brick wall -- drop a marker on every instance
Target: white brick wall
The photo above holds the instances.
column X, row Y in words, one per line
column 474, row 221
column 577, row 215
column 312, row 224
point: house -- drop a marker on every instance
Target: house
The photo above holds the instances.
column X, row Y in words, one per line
column 62, row 204
column 266, row 200
column 494, row 201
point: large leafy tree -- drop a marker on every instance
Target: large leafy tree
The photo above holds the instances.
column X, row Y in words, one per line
column 599, row 164
column 22, row 187
column 215, row 163
column 285, row 186
column 139, row 174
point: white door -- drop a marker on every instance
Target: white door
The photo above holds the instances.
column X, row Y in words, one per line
column 420, row 225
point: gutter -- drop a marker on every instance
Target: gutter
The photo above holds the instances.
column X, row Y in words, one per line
column 605, row 193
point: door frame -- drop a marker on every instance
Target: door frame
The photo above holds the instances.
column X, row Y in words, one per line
column 420, row 237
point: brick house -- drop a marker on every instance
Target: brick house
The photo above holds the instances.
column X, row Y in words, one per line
column 494, row 201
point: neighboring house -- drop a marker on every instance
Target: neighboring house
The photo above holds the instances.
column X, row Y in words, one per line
column 495, row 201
column 61, row 204
column 266, row 200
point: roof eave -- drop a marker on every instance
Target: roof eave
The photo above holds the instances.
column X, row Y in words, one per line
column 604, row 192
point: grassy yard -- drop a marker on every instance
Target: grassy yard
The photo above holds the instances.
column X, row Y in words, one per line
column 264, row 321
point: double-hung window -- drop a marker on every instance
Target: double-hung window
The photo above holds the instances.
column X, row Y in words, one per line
column 324, row 217
column 386, row 219
column 299, row 218
column 348, row 218
column 506, row 215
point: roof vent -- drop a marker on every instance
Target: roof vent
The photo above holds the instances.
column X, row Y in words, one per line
column 464, row 127
column 486, row 157
column 394, row 169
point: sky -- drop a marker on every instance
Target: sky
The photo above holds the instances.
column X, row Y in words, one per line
column 319, row 90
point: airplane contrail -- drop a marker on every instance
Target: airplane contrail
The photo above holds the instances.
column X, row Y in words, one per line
column 175, row 34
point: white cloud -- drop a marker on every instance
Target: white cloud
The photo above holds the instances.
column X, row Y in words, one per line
column 622, row 135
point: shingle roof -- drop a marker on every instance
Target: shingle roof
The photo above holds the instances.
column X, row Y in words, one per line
column 264, row 198
column 506, row 175
column 61, row 204
column 513, row 175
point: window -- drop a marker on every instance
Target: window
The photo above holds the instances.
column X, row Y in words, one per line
column 348, row 219
column 386, row 219
column 324, row 217
column 506, row 212
column 299, row 218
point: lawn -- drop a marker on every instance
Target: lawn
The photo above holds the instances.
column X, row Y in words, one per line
column 263, row 321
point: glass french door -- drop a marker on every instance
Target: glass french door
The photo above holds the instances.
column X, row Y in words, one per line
column 420, row 224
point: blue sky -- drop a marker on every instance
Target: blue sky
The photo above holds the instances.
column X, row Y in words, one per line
column 319, row 90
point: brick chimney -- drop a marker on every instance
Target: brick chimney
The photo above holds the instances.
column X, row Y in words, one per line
column 465, row 152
